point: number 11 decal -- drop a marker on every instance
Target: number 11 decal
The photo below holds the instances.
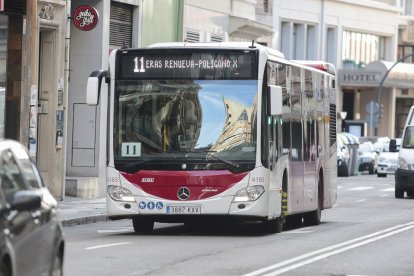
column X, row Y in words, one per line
column 131, row 149
column 139, row 65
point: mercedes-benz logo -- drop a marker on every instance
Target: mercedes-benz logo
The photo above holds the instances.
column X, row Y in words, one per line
column 183, row 193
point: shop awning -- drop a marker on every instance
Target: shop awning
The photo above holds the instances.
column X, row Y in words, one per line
column 401, row 76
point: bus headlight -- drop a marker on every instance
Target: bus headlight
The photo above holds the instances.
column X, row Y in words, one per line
column 250, row 193
column 119, row 193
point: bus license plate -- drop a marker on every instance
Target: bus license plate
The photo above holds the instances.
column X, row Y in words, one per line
column 183, row 210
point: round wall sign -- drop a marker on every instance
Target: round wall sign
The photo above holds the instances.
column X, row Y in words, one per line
column 85, row 18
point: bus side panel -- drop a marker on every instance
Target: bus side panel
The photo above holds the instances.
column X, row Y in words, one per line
column 295, row 187
column 310, row 186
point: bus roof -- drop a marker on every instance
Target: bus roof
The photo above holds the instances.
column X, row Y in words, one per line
column 318, row 64
column 218, row 45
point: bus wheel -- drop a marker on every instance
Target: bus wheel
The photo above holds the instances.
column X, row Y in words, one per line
column 274, row 225
column 399, row 193
column 142, row 225
column 314, row 217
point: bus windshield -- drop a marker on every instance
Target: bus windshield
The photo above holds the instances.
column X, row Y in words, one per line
column 210, row 123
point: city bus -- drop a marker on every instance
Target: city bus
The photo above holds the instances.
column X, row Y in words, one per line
column 206, row 132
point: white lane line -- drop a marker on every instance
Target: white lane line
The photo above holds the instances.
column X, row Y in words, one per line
column 323, row 256
column 346, row 244
column 106, row 245
column 388, row 190
column 303, row 230
column 362, row 188
column 121, row 230
column 361, row 200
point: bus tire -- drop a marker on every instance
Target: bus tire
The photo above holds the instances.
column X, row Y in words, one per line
column 314, row 217
column 399, row 193
column 273, row 225
column 142, row 225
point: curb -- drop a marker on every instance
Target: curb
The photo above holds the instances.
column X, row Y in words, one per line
column 83, row 220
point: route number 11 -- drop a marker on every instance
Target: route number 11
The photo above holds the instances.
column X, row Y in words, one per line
column 139, row 65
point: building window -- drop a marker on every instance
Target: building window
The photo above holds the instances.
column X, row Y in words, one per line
column 298, row 40
column 216, row 38
column 407, row 7
column 264, row 6
column 120, row 28
column 330, row 45
column 192, row 36
column 405, row 50
column 360, row 49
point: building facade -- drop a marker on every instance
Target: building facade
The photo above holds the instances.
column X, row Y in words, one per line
column 48, row 49
column 32, row 82
column 354, row 36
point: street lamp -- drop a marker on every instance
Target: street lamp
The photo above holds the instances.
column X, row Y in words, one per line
column 382, row 82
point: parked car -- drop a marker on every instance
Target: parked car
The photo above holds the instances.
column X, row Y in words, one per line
column 343, row 159
column 366, row 157
column 31, row 241
column 388, row 160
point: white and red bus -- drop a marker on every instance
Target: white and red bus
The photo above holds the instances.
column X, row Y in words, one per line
column 217, row 131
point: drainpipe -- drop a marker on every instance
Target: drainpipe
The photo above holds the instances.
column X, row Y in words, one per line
column 322, row 32
column 66, row 92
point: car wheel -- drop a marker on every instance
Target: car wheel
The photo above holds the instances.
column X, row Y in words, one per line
column 399, row 193
column 57, row 269
column 371, row 170
column 4, row 269
column 142, row 225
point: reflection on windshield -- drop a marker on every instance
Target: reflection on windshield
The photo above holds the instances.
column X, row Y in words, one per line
column 172, row 118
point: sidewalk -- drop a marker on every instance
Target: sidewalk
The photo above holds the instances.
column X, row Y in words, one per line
column 76, row 211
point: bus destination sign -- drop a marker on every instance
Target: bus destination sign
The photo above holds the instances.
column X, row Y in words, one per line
column 151, row 65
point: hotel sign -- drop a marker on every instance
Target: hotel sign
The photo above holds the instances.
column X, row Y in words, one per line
column 359, row 78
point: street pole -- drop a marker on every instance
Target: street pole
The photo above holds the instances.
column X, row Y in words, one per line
column 381, row 84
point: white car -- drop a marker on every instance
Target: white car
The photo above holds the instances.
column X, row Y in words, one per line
column 387, row 161
column 366, row 157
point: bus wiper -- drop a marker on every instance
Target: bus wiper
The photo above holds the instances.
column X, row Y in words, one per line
column 208, row 154
column 136, row 163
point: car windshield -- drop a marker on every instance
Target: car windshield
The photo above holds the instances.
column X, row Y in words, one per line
column 364, row 148
column 408, row 141
column 177, row 120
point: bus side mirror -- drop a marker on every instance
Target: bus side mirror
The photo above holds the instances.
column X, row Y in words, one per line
column 275, row 100
column 92, row 91
column 393, row 145
column 93, row 87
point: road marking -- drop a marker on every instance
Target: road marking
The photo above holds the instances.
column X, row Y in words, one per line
column 388, row 190
column 361, row 200
column 362, row 188
column 323, row 253
column 298, row 231
column 106, row 245
column 121, row 230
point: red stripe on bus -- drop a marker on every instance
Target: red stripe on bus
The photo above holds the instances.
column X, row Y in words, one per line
column 202, row 184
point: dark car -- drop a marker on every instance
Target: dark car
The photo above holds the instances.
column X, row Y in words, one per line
column 31, row 241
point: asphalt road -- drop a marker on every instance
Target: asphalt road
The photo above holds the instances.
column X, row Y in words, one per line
column 368, row 232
